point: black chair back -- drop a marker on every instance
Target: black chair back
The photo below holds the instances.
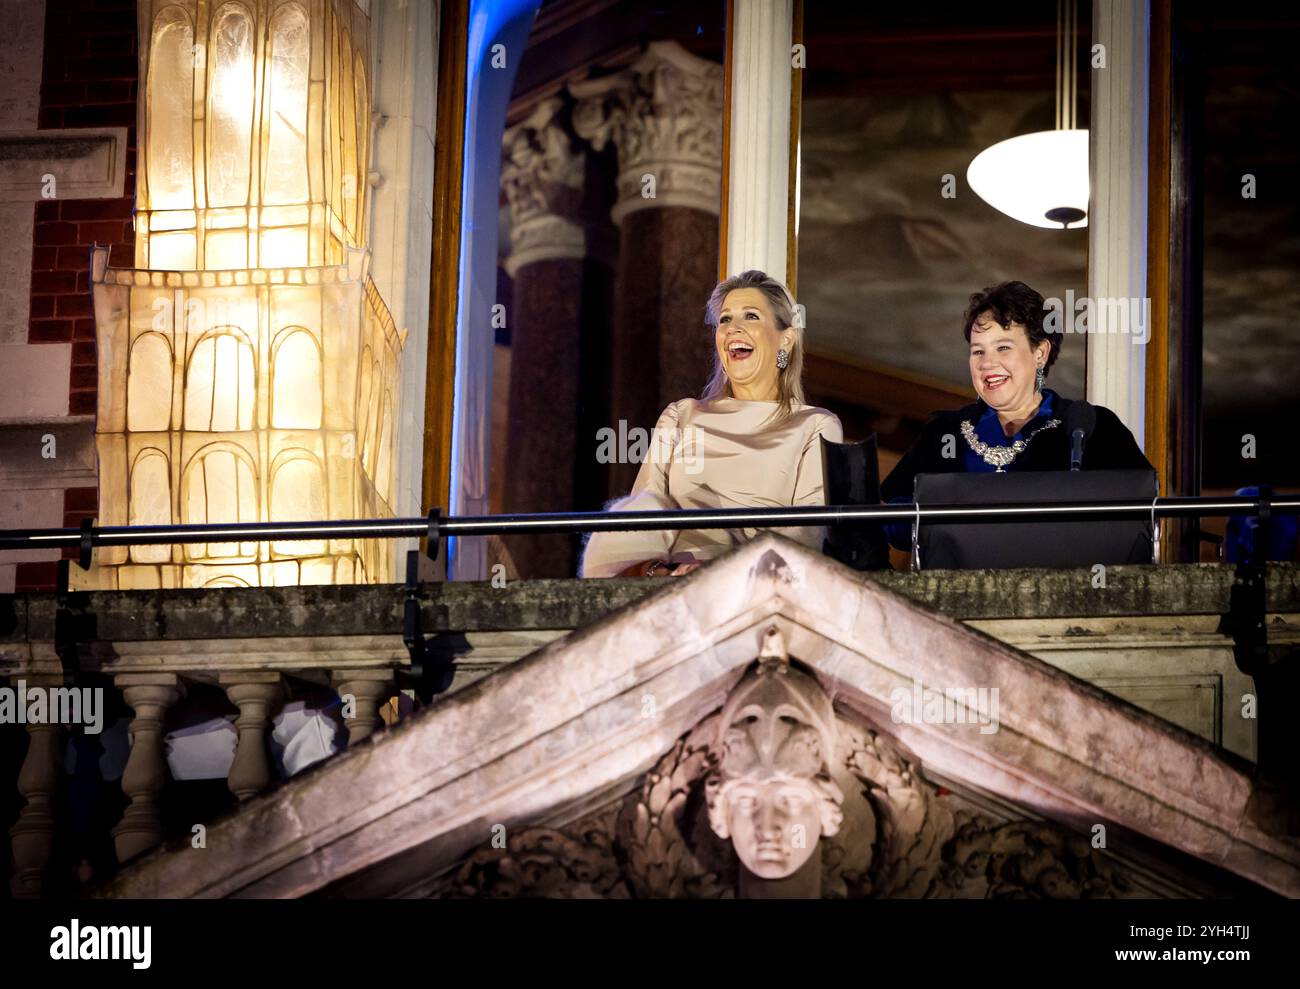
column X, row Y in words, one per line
column 851, row 476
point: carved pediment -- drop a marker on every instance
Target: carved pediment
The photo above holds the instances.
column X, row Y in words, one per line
column 964, row 767
column 901, row 836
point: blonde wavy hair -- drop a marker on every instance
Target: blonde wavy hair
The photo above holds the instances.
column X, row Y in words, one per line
column 790, row 381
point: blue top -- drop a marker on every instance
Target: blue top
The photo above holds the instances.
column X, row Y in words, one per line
column 990, row 431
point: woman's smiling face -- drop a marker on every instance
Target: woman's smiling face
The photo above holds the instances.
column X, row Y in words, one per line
column 1003, row 364
column 747, row 339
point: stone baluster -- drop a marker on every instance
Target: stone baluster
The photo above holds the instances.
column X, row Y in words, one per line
column 362, row 692
column 149, row 695
column 33, row 833
column 255, row 694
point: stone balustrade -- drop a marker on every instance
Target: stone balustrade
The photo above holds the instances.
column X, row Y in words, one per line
column 1151, row 635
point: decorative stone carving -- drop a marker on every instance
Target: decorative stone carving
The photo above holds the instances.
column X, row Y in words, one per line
column 663, row 828
column 576, row 863
column 542, row 178
column 1026, row 860
column 771, row 792
column 664, row 115
column 885, row 832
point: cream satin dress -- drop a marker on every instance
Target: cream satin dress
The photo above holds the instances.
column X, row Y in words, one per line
column 718, row 454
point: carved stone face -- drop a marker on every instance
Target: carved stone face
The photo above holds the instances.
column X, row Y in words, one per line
column 772, row 793
column 774, row 826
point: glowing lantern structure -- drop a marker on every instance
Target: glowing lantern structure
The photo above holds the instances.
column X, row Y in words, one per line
column 248, row 367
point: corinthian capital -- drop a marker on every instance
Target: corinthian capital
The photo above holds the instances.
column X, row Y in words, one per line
column 663, row 114
column 541, row 177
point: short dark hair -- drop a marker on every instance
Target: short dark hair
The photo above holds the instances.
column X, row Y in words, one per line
column 1014, row 302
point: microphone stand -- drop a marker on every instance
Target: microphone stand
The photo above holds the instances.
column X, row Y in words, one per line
column 1076, row 450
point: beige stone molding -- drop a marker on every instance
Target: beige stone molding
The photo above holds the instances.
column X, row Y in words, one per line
column 570, row 721
column 33, row 379
column 401, row 212
column 201, row 659
column 24, row 463
column 149, row 696
column 663, row 114
column 85, row 163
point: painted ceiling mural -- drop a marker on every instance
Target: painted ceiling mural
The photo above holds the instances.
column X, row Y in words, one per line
column 887, row 264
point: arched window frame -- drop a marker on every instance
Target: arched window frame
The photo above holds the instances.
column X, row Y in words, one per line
column 244, row 341
column 297, row 548
column 131, row 369
column 282, row 336
column 244, row 552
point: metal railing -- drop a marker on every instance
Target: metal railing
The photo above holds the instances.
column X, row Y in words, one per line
column 435, row 526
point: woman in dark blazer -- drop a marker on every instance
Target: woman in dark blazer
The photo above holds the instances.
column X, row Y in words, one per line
column 1017, row 424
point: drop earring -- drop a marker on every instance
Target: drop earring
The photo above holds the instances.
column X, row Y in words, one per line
column 782, row 359
column 1039, row 375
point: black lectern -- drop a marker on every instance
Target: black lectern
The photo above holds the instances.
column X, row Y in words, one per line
column 1018, row 543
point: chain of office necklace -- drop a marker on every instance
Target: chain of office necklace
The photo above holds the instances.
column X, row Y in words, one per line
column 1000, row 456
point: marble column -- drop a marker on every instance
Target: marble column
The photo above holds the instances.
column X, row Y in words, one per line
column 1117, row 218
column 256, row 695
column 663, row 114
column 33, row 833
column 368, row 689
column 149, row 695
column 561, row 242
column 758, row 158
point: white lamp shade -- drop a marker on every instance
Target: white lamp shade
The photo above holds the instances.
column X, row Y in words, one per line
column 1025, row 177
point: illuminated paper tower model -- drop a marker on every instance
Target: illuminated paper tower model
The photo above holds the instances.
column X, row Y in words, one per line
column 248, row 367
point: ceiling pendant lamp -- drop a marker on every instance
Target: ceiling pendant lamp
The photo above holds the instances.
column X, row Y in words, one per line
column 1042, row 178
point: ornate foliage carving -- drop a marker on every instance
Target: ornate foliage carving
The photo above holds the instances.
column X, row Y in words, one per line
column 576, row 863
column 900, row 839
column 664, row 115
column 1026, row 860
column 541, row 170
column 670, row 849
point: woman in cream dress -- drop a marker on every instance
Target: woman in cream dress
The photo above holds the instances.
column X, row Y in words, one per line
column 750, row 442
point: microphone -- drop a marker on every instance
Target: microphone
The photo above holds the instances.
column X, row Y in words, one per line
column 1080, row 420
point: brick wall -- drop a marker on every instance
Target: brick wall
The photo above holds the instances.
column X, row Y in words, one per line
column 89, row 79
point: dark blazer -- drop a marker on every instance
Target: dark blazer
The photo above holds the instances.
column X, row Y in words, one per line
column 1109, row 447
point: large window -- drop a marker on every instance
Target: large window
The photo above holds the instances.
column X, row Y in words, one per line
column 590, row 233
column 1241, row 86
column 897, row 100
